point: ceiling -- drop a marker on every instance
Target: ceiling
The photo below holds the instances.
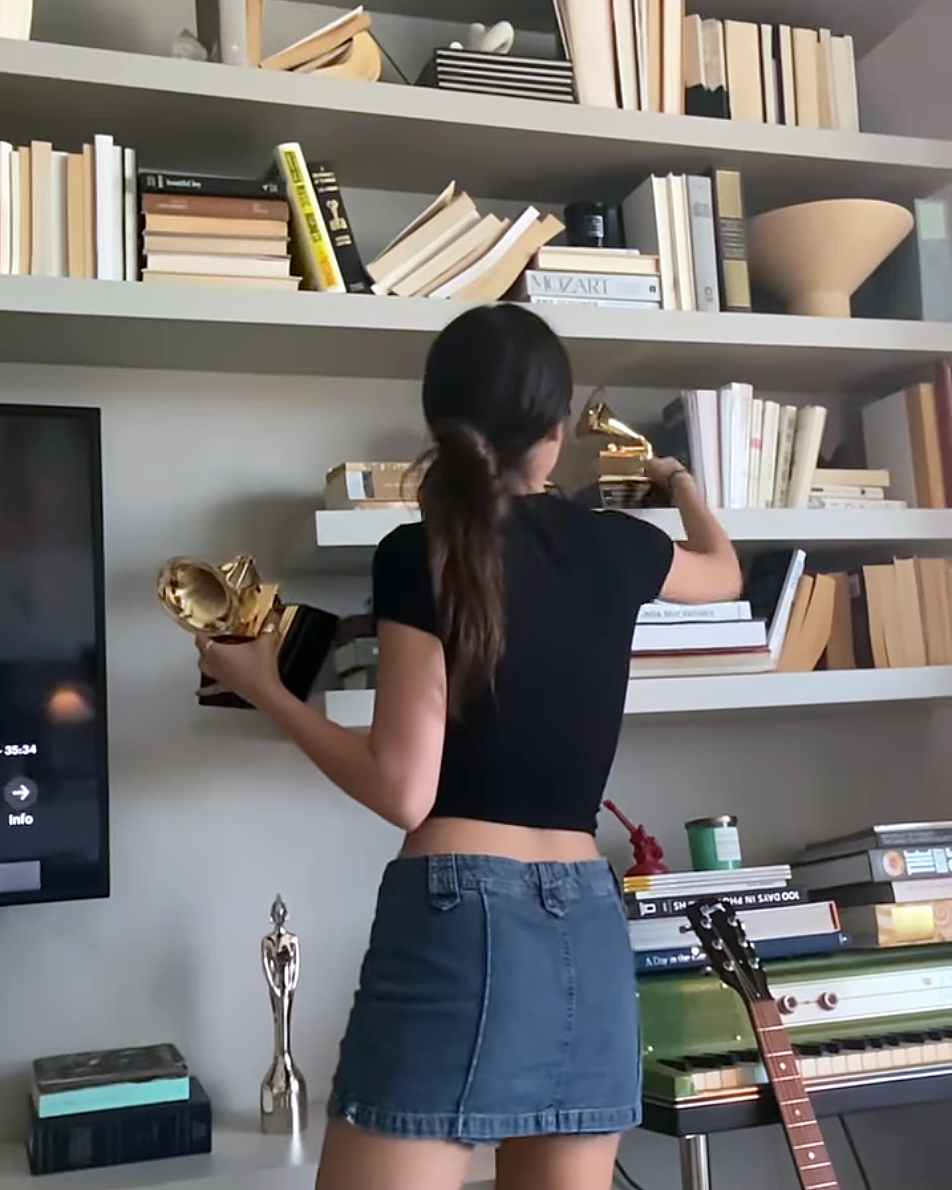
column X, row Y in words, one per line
column 870, row 21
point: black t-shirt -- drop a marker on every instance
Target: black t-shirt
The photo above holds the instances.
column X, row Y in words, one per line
column 537, row 748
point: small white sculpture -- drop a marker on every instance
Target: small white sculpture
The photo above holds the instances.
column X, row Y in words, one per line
column 498, row 39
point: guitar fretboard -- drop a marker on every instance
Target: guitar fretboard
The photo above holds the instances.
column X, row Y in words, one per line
column 799, row 1122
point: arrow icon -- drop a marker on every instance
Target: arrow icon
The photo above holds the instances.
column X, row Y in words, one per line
column 21, row 794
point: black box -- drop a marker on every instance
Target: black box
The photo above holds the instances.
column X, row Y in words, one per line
column 91, row 1140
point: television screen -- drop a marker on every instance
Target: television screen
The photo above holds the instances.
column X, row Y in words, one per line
column 54, row 840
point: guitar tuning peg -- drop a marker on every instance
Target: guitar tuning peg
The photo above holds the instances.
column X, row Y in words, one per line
column 717, row 944
column 732, row 920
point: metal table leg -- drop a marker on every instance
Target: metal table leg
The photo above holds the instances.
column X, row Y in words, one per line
column 695, row 1163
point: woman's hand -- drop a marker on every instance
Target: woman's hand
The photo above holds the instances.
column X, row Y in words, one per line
column 662, row 470
column 249, row 670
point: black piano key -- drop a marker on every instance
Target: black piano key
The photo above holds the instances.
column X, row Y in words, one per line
column 678, row 1064
column 808, row 1049
column 935, row 1035
column 913, row 1038
column 853, row 1045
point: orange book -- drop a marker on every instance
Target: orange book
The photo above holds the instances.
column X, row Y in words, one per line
column 926, row 452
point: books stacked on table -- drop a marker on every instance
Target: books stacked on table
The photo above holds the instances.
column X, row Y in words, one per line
column 621, row 277
column 910, row 435
column 452, row 251
column 778, row 919
column 68, row 214
column 746, row 637
column 648, row 55
column 892, row 883
column 115, row 1106
column 696, row 227
column 500, row 74
column 745, row 451
column 205, row 230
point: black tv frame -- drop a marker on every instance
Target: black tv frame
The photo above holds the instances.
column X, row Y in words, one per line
column 98, row 887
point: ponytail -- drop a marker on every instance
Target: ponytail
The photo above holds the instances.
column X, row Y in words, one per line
column 464, row 500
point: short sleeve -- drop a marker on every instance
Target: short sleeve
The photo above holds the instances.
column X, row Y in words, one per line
column 645, row 551
column 402, row 589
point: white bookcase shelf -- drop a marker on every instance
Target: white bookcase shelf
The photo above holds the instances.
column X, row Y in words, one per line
column 188, row 114
column 809, row 528
column 683, row 696
column 134, row 325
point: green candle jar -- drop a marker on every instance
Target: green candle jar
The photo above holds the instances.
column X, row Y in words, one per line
column 714, row 844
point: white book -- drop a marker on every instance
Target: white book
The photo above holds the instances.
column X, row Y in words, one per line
column 130, row 216
column 492, row 257
column 626, row 65
column 108, row 169
column 755, row 454
column 458, row 217
column 708, row 420
column 788, row 83
column 811, row 422
column 785, row 435
column 662, row 612
column 647, row 215
column 588, row 27
column 692, row 426
column 59, row 218
column 707, row 637
column 818, row 500
column 6, row 205
column 16, row 216
column 458, row 254
column 681, row 235
column 768, row 70
column 16, row 19
column 219, row 266
column 703, row 244
column 641, row 54
column 844, row 74
column 233, row 32
column 768, row 457
column 672, row 70
column 780, row 621
column 736, row 402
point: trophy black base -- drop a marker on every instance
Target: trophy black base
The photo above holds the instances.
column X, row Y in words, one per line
column 301, row 656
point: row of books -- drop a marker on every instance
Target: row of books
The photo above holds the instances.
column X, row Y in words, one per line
column 900, row 614
column 478, row 72
column 777, row 916
column 747, row 452
column 910, row 433
column 892, row 883
column 696, row 228
column 648, row 55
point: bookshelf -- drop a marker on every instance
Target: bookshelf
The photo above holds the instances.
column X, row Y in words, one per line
column 694, row 696
column 809, row 528
column 125, row 324
column 393, row 137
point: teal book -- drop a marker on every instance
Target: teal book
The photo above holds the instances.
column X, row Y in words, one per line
column 106, row 1080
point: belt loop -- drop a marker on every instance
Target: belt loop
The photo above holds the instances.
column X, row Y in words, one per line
column 552, row 890
column 443, row 881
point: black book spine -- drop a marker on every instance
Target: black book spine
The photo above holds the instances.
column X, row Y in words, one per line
column 93, row 1140
column 765, row 898
column 327, row 189
column 157, row 182
column 713, row 103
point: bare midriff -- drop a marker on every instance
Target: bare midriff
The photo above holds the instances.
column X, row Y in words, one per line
column 528, row 845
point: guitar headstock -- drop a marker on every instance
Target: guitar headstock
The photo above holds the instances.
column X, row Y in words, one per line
column 726, row 945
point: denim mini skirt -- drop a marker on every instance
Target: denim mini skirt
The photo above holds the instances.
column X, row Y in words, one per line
column 497, row 999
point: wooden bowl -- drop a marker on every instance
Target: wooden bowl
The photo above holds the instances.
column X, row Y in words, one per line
column 817, row 254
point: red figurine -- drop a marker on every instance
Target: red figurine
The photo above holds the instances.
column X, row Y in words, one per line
column 649, row 856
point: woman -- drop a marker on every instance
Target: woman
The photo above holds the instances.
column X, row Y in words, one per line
column 497, row 1000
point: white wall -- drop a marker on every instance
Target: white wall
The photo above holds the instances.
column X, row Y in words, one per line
column 212, row 814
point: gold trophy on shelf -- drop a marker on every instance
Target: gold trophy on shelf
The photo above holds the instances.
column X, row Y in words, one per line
column 620, row 467
column 231, row 603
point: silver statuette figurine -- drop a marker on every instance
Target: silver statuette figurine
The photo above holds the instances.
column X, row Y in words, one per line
column 283, row 1091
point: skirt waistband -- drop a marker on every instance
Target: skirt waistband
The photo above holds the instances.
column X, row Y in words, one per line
column 449, row 875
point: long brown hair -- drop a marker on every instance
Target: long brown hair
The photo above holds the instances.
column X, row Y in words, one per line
column 497, row 382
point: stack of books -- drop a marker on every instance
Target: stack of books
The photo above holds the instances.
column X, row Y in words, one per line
column 778, row 919
column 451, row 251
column 910, row 435
column 721, row 638
column 696, row 227
column 110, row 1107
column 68, row 214
column 856, row 488
column 204, row 230
column 499, row 74
column 746, row 452
column 370, row 486
column 650, row 56
column 619, row 277
column 892, row 883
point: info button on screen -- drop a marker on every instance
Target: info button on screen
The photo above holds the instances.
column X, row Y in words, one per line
column 20, row 793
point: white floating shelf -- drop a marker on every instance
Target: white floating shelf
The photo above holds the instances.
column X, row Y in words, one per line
column 204, row 116
column 59, row 320
column 681, row 696
column 801, row 527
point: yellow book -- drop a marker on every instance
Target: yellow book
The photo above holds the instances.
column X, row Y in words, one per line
column 313, row 242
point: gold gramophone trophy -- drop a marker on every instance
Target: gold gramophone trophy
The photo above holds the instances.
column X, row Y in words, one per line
column 230, row 603
column 620, row 473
